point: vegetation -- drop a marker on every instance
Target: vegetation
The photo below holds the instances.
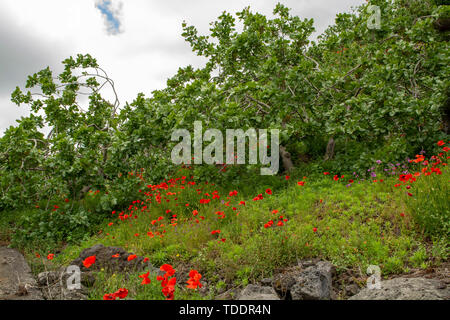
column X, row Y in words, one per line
column 351, row 107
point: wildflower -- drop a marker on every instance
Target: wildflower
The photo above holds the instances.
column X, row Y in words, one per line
column 89, row 261
column 131, row 257
column 50, row 256
column 233, row 193
column 268, row 191
column 169, row 289
column 121, row 293
column 194, row 280
column 314, row 229
column 145, row 279
column 109, row 296
column 168, row 269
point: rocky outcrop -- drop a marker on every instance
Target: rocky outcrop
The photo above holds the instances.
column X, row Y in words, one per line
column 16, row 280
column 314, row 283
column 255, row 292
column 307, row 281
column 104, row 260
column 406, row 289
column 59, row 285
column 56, row 285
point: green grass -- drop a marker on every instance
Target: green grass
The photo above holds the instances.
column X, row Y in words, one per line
column 367, row 223
column 356, row 226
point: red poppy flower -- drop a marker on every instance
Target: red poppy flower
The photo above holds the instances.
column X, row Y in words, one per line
column 168, row 269
column 121, row 293
column 50, row 256
column 109, row 296
column 131, row 257
column 89, row 261
column 194, row 280
column 268, row 191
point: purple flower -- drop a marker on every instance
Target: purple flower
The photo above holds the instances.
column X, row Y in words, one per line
column 378, row 161
column 373, row 174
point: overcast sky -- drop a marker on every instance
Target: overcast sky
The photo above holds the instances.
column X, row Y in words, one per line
column 138, row 42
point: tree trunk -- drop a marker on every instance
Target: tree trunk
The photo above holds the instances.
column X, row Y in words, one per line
column 286, row 158
column 329, row 154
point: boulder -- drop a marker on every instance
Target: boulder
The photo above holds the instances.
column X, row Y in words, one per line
column 255, row 292
column 231, row 294
column 406, row 289
column 16, row 280
column 314, row 283
column 55, row 285
column 309, row 280
column 104, row 260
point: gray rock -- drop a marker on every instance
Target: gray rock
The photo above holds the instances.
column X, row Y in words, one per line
column 311, row 285
column 104, row 260
column 351, row 289
column 54, row 285
column 406, row 289
column 16, row 280
column 255, row 292
column 309, row 280
column 266, row 282
column 230, row 294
